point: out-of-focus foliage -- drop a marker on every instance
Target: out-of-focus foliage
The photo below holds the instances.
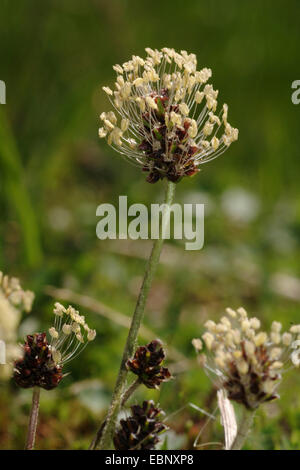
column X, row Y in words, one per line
column 54, row 57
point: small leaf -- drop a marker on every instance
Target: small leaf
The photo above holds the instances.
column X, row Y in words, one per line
column 157, row 134
column 161, row 109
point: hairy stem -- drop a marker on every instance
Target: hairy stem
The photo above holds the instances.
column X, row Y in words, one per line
column 243, row 430
column 127, row 394
column 130, row 390
column 33, row 419
column 105, row 441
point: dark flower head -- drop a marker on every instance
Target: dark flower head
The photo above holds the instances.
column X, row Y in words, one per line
column 43, row 361
column 37, row 367
column 146, row 364
column 140, row 431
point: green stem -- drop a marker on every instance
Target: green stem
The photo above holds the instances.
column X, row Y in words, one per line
column 108, row 429
column 33, row 419
column 243, row 430
column 130, row 390
column 127, row 394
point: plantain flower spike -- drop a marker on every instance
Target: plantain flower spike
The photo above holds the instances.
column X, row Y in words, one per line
column 43, row 360
column 245, row 361
column 165, row 117
column 142, row 429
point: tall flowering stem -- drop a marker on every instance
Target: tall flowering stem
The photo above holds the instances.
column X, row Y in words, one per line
column 130, row 391
column 109, row 427
column 33, row 419
column 165, row 122
column 244, row 429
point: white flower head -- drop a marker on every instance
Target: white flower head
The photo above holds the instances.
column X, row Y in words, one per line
column 247, row 362
column 69, row 335
column 163, row 99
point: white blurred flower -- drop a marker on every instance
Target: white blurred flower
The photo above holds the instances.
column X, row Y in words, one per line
column 286, row 285
column 13, row 300
column 59, row 218
column 240, row 205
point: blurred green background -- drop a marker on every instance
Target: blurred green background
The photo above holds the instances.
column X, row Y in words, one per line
column 54, row 58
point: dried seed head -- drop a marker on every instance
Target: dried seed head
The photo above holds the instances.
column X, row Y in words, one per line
column 162, row 127
column 146, row 364
column 246, row 362
column 37, row 368
column 141, row 430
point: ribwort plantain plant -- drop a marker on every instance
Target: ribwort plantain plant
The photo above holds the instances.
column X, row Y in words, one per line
column 165, row 122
